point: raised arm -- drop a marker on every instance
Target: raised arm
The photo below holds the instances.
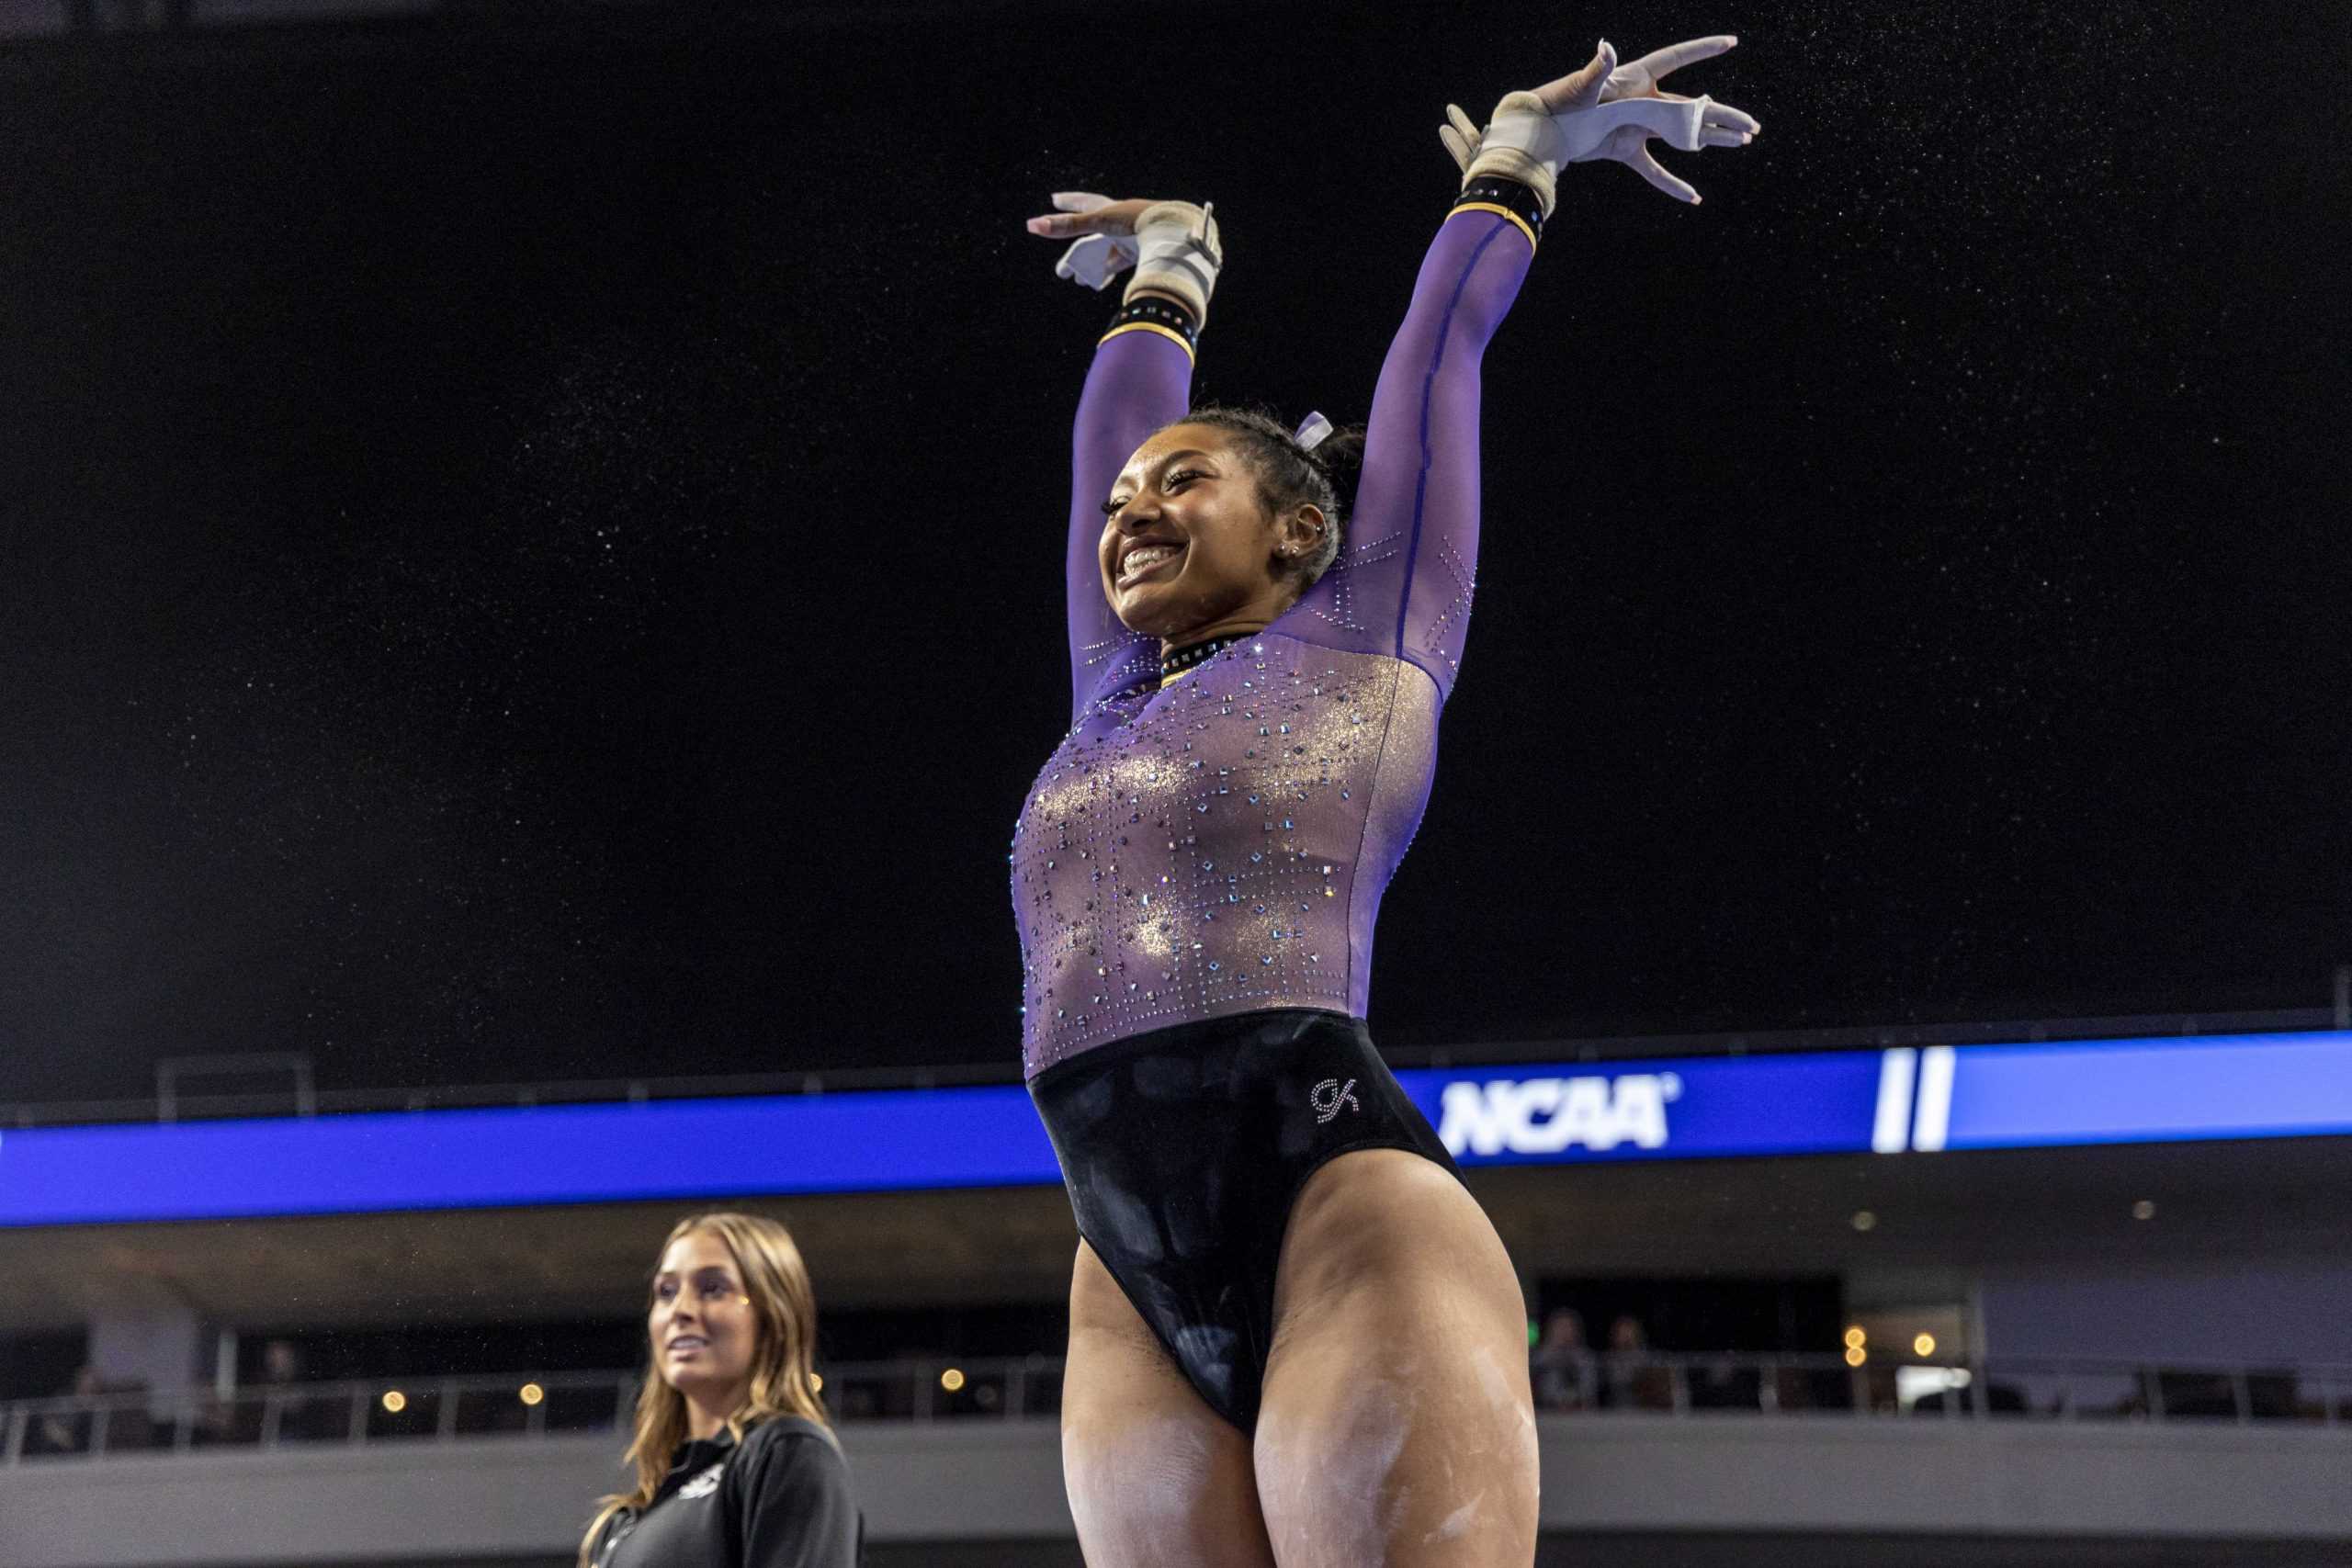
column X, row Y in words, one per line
column 1141, row 379
column 1402, row 586
column 1409, row 548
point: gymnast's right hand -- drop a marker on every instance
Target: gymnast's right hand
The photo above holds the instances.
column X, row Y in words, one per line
column 1102, row 232
column 1173, row 245
column 1083, row 213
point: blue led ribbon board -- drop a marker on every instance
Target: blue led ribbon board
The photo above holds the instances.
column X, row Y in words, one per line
column 2136, row 1091
column 562, row 1153
column 1905, row 1101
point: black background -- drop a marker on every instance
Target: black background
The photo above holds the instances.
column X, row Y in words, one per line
column 532, row 547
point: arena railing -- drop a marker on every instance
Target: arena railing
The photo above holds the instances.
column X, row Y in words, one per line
column 450, row 1409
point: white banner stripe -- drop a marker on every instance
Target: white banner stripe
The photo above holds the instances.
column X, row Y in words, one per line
column 1891, row 1133
column 1933, row 1119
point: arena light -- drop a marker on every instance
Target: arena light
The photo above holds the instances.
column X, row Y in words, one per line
column 2145, row 1209
column 1856, row 1355
column 1856, row 1339
column 395, row 1401
column 530, row 1393
column 1864, row 1220
column 1925, row 1345
column 952, row 1379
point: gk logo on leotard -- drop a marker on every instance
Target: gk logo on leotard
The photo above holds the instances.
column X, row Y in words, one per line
column 1329, row 1096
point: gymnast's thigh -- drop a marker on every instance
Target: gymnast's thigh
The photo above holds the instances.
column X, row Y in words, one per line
column 1398, row 1427
column 1155, row 1476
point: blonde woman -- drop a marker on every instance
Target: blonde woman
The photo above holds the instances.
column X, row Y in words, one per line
column 736, row 1464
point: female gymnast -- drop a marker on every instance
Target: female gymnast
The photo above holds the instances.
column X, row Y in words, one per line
column 1294, row 1336
column 736, row 1465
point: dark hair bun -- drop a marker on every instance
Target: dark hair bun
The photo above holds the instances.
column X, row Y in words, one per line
column 1340, row 456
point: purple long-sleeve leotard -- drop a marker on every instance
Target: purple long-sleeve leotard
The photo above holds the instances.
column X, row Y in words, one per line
column 1220, row 845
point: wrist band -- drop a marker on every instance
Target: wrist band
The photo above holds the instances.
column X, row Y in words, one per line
column 1153, row 314
column 1177, row 253
column 1507, row 199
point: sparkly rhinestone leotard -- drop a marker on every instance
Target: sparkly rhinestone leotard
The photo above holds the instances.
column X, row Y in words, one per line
column 1221, row 846
column 1197, row 869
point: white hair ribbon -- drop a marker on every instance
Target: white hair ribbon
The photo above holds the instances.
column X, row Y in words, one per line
column 1311, row 432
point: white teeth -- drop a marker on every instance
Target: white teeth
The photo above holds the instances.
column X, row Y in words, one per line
column 1144, row 556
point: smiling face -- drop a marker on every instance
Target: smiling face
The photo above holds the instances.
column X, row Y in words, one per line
column 1189, row 545
column 702, row 1325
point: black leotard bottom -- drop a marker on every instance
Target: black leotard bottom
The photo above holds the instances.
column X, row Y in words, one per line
column 1183, row 1150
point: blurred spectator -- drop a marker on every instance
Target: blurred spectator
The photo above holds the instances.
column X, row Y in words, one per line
column 1633, row 1382
column 281, row 1361
column 128, row 1424
column 302, row 1418
column 1724, row 1385
column 62, row 1432
column 1562, row 1362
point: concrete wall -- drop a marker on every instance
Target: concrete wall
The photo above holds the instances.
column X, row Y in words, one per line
column 491, row 1497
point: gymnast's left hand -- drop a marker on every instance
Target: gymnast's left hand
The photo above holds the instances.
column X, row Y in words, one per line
column 1720, row 124
column 1640, row 78
column 1635, row 83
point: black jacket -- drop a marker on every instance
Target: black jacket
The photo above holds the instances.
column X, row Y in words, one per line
column 779, row 1499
